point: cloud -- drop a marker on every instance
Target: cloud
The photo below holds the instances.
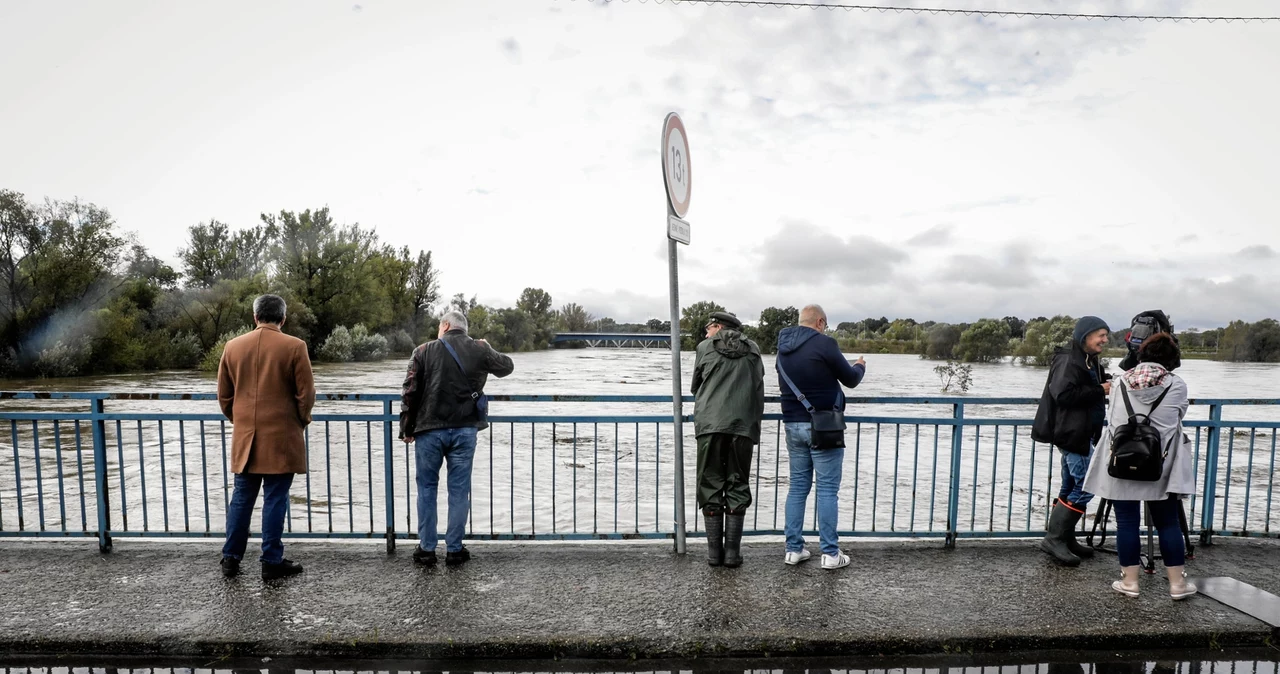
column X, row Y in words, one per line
column 511, row 48
column 938, row 235
column 563, row 52
column 853, row 64
column 1258, row 252
column 803, row 254
column 1014, row 267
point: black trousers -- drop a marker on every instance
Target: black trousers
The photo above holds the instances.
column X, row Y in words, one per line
column 724, row 472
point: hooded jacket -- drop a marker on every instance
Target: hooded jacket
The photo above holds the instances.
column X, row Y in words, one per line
column 1072, row 407
column 1144, row 384
column 728, row 386
column 816, row 366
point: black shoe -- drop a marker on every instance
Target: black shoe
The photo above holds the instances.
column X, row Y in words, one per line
column 284, row 569
column 733, row 540
column 424, row 557
column 715, row 538
column 456, row 558
column 1053, row 542
column 1069, row 535
column 230, row 567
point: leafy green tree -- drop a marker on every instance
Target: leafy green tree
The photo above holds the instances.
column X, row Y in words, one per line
column 333, row 270
column 772, row 321
column 985, row 341
column 573, row 318
column 58, row 264
column 1250, row 342
column 903, row 330
column 940, row 342
column 424, row 282
column 519, row 331
column 536, row 305
column 1043, row 336
column 214, row 253
column 227, row 306
column 1017, row 326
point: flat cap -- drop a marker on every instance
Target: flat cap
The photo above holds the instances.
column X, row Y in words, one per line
column 726, row 319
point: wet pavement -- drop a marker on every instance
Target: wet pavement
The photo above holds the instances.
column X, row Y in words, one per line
column 619, row 600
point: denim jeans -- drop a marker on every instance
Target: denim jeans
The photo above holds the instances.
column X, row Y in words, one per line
column 1164, row 516
column 827, row 465
column 455, row 447
column 275, row 504
column 1074, row 468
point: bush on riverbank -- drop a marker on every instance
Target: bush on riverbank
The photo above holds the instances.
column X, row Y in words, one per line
column 214, row 355
column 356, row 344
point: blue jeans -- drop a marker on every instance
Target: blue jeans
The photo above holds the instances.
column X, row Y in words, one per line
column 275, row 504
column 1164, row 516
column 1074, row 468
column 828, row 466
column 457, row 448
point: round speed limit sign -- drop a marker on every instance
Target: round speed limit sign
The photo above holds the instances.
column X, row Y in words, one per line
column 675, row 164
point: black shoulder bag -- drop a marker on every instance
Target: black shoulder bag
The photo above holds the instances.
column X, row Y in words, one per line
column 827, row 425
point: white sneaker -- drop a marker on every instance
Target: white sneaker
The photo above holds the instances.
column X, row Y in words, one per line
column 836, row 561
column 794, row 558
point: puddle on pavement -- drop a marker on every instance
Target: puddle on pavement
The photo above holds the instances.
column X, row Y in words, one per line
column 1246, row 661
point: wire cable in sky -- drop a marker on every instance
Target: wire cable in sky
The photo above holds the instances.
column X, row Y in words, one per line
column 832, row 6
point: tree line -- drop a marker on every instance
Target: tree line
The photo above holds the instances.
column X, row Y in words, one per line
column 80, row 296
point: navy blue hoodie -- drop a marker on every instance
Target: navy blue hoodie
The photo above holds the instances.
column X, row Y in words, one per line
column 814, row 362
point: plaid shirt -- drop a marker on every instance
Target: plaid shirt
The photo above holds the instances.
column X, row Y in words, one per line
column 1145, row 375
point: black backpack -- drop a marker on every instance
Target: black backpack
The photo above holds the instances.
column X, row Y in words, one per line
column 1136, row 451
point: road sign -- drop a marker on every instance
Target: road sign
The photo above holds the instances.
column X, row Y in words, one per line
column 675, row 164
column 678, row 230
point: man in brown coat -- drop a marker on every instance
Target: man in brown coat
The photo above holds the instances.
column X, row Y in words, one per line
column 266, row 391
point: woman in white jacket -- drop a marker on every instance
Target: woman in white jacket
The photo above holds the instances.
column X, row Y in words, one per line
column 1146, row 382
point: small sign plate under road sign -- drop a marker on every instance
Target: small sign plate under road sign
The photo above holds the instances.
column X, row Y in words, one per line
column 678, row 230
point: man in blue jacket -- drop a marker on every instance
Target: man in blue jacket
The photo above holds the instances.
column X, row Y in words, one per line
column 813, row 362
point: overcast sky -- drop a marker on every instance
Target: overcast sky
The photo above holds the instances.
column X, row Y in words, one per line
column 936, row 167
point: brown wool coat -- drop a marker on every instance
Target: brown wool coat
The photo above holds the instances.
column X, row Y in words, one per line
column 266, row 390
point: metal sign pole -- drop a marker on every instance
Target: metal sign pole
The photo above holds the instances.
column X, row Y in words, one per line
column 678, row 181
column 677, row 395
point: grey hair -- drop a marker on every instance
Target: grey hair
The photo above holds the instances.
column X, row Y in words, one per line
column 811, row 314
column 269, row 309
column 455, row 319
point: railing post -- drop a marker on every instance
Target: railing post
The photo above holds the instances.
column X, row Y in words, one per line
column 388, row 456
column 1210, row 474
column 100, row 473
column 953, row 497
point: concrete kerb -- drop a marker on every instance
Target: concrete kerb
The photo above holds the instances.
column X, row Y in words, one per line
column 610, row 601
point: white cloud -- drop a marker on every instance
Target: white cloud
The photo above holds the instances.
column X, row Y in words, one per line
column 950, row 167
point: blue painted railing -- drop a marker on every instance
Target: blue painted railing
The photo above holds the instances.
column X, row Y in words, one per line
column 944, row 467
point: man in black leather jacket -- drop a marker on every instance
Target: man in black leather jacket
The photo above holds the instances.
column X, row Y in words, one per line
column 442, row 407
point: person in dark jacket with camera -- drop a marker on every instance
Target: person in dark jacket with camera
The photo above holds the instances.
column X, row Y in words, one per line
column 442, row 408
column 1071, row 415
column 1144, row 325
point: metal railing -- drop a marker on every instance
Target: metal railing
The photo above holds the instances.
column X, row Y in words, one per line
column 914, row 467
